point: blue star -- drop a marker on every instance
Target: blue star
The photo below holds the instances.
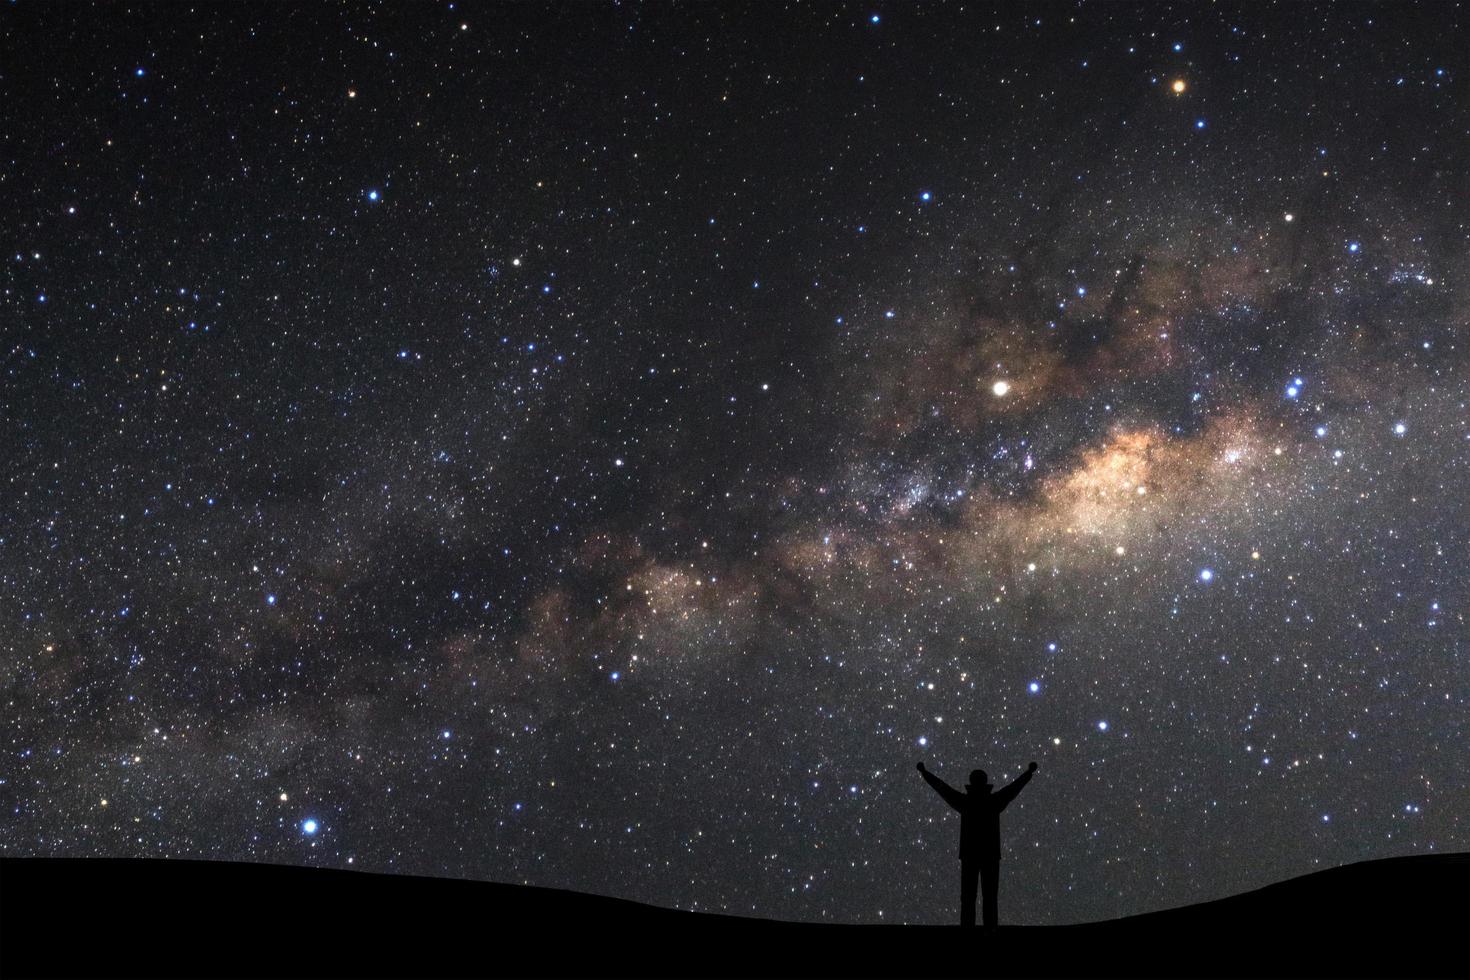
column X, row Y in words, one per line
column 1353, row 247
column 1206, row 574
column 1178, row 46
column 309, row 826
column 270, row 600
column 139, row 72
column 1199, row 124
column 372, row 195
column 1034, row 687
column 1102, row 726
column 925, row 195
column 874, row 19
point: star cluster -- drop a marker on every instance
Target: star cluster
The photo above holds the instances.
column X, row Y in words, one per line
column 604, row 447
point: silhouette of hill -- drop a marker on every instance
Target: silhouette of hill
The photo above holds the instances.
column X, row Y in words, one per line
column 1407, row 916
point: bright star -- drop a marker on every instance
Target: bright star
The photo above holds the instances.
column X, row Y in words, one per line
column 372, row 195
column 1207, row 575
column 1000, row 388
column 1400, row 428
column 1178, row 86
column 1199, row 124
column 925, row 196
column 308, row 827
column 1033, row 687
column 270, row 600
column 1102, row 726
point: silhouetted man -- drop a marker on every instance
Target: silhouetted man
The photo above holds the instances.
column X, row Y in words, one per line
column 979, row 834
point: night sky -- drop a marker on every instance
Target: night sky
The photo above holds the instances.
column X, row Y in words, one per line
column 606, row 446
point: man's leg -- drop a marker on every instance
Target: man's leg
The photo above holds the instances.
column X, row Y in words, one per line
column 969, row 871
column 990, row 880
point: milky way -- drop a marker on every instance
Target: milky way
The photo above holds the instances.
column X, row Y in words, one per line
column 605, row 447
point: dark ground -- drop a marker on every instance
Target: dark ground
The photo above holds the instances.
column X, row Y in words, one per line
column 1406, row 916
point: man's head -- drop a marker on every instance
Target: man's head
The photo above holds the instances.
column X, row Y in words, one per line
column 979, row 783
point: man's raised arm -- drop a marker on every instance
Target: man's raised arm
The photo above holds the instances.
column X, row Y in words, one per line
column 951, row 795
column 1010, row 792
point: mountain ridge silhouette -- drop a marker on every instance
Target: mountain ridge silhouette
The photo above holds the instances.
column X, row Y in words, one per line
column 1401, row 916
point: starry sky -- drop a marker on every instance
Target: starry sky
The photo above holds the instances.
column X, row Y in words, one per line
column 605, row 446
